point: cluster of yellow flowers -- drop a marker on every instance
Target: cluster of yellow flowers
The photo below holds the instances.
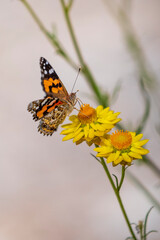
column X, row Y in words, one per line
column 93, row 126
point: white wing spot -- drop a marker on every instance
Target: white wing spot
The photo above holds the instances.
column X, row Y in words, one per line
column 51, row 70
column 45, row 71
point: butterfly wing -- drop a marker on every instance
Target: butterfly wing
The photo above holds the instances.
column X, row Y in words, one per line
column 49, row 123
column 50, row 111
column 50, row 81
column 40, row 108
column 53, row 109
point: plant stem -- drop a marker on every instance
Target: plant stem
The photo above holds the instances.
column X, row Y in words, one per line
column 35, row 17
column 73, row 37
column 144, row 189
column 147, row 76
column 151, row 165
column 116, row 191
column 85, row 69
column 120, row 14
column 122, row 177
column 55, row 43
column 147, row 102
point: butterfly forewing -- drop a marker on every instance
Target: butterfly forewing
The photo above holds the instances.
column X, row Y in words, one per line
column 50, row 81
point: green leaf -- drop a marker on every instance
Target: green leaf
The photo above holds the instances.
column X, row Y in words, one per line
column 95, row 157
column 115, row 92
column 149, row 233
column 145, row 222
column 116, row 180
column 147, row 102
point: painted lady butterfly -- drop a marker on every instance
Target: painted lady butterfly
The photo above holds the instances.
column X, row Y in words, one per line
column 56, row 105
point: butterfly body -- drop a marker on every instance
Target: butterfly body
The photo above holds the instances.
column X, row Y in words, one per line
column 57, row 104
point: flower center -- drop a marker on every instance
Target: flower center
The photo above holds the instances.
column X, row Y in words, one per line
column 87, row 114
column 121, row 140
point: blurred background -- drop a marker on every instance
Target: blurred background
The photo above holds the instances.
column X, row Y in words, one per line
column 51, row 189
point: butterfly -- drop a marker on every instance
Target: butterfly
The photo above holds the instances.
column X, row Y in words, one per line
column 52, row 110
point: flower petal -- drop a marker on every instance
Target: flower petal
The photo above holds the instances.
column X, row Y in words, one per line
column 141, row 151
column 67, row 125
column 78, row 137
column 111, row 158
column 116, row 155
column 135, row 155
column 137, row 138
column 69, row 130
column 74, row 118
column 105, row 111
column 118, row 160
column 91, row 133
column 126, row 157
column 140, row 143
column 93, row 125
column 68, row 137
column 99, row 109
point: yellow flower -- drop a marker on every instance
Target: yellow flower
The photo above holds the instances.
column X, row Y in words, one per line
column 90, row 124
column 122, row 147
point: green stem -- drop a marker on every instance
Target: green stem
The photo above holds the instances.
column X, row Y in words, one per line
column 119, row 13
column 122, row 177
column 73, row 37
column 56, row 44
column 144, row 189
column 85, row 69
column 147, row 102
column 35, row 17
column 151, row 165
column 116, row 191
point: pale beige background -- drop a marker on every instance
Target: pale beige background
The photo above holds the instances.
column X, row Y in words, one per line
column 51, row 189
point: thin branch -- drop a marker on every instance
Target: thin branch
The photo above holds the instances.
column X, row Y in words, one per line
column 144, row 189
column 85, row 69
column 118, row 198
column 50, row 37
column 95, row 157
column 147, row 107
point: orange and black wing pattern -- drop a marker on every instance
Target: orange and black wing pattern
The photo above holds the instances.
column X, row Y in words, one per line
column 50, row 111
column 54, row 107
column 40, row 108
column 50, row 81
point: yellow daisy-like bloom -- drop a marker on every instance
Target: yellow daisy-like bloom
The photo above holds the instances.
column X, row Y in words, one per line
column 122, row 147
column 90, row 124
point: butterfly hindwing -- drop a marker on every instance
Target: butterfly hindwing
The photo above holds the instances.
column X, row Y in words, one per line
column 50, row 81
column 42, row 107
column 49, row 123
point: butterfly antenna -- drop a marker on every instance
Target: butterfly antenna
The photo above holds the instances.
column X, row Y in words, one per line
column 76, row 79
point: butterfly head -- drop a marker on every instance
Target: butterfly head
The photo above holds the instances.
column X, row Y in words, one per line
column 72, row 98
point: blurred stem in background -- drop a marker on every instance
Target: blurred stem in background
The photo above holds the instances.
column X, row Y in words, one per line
column 120, row 13
column 146, row 78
